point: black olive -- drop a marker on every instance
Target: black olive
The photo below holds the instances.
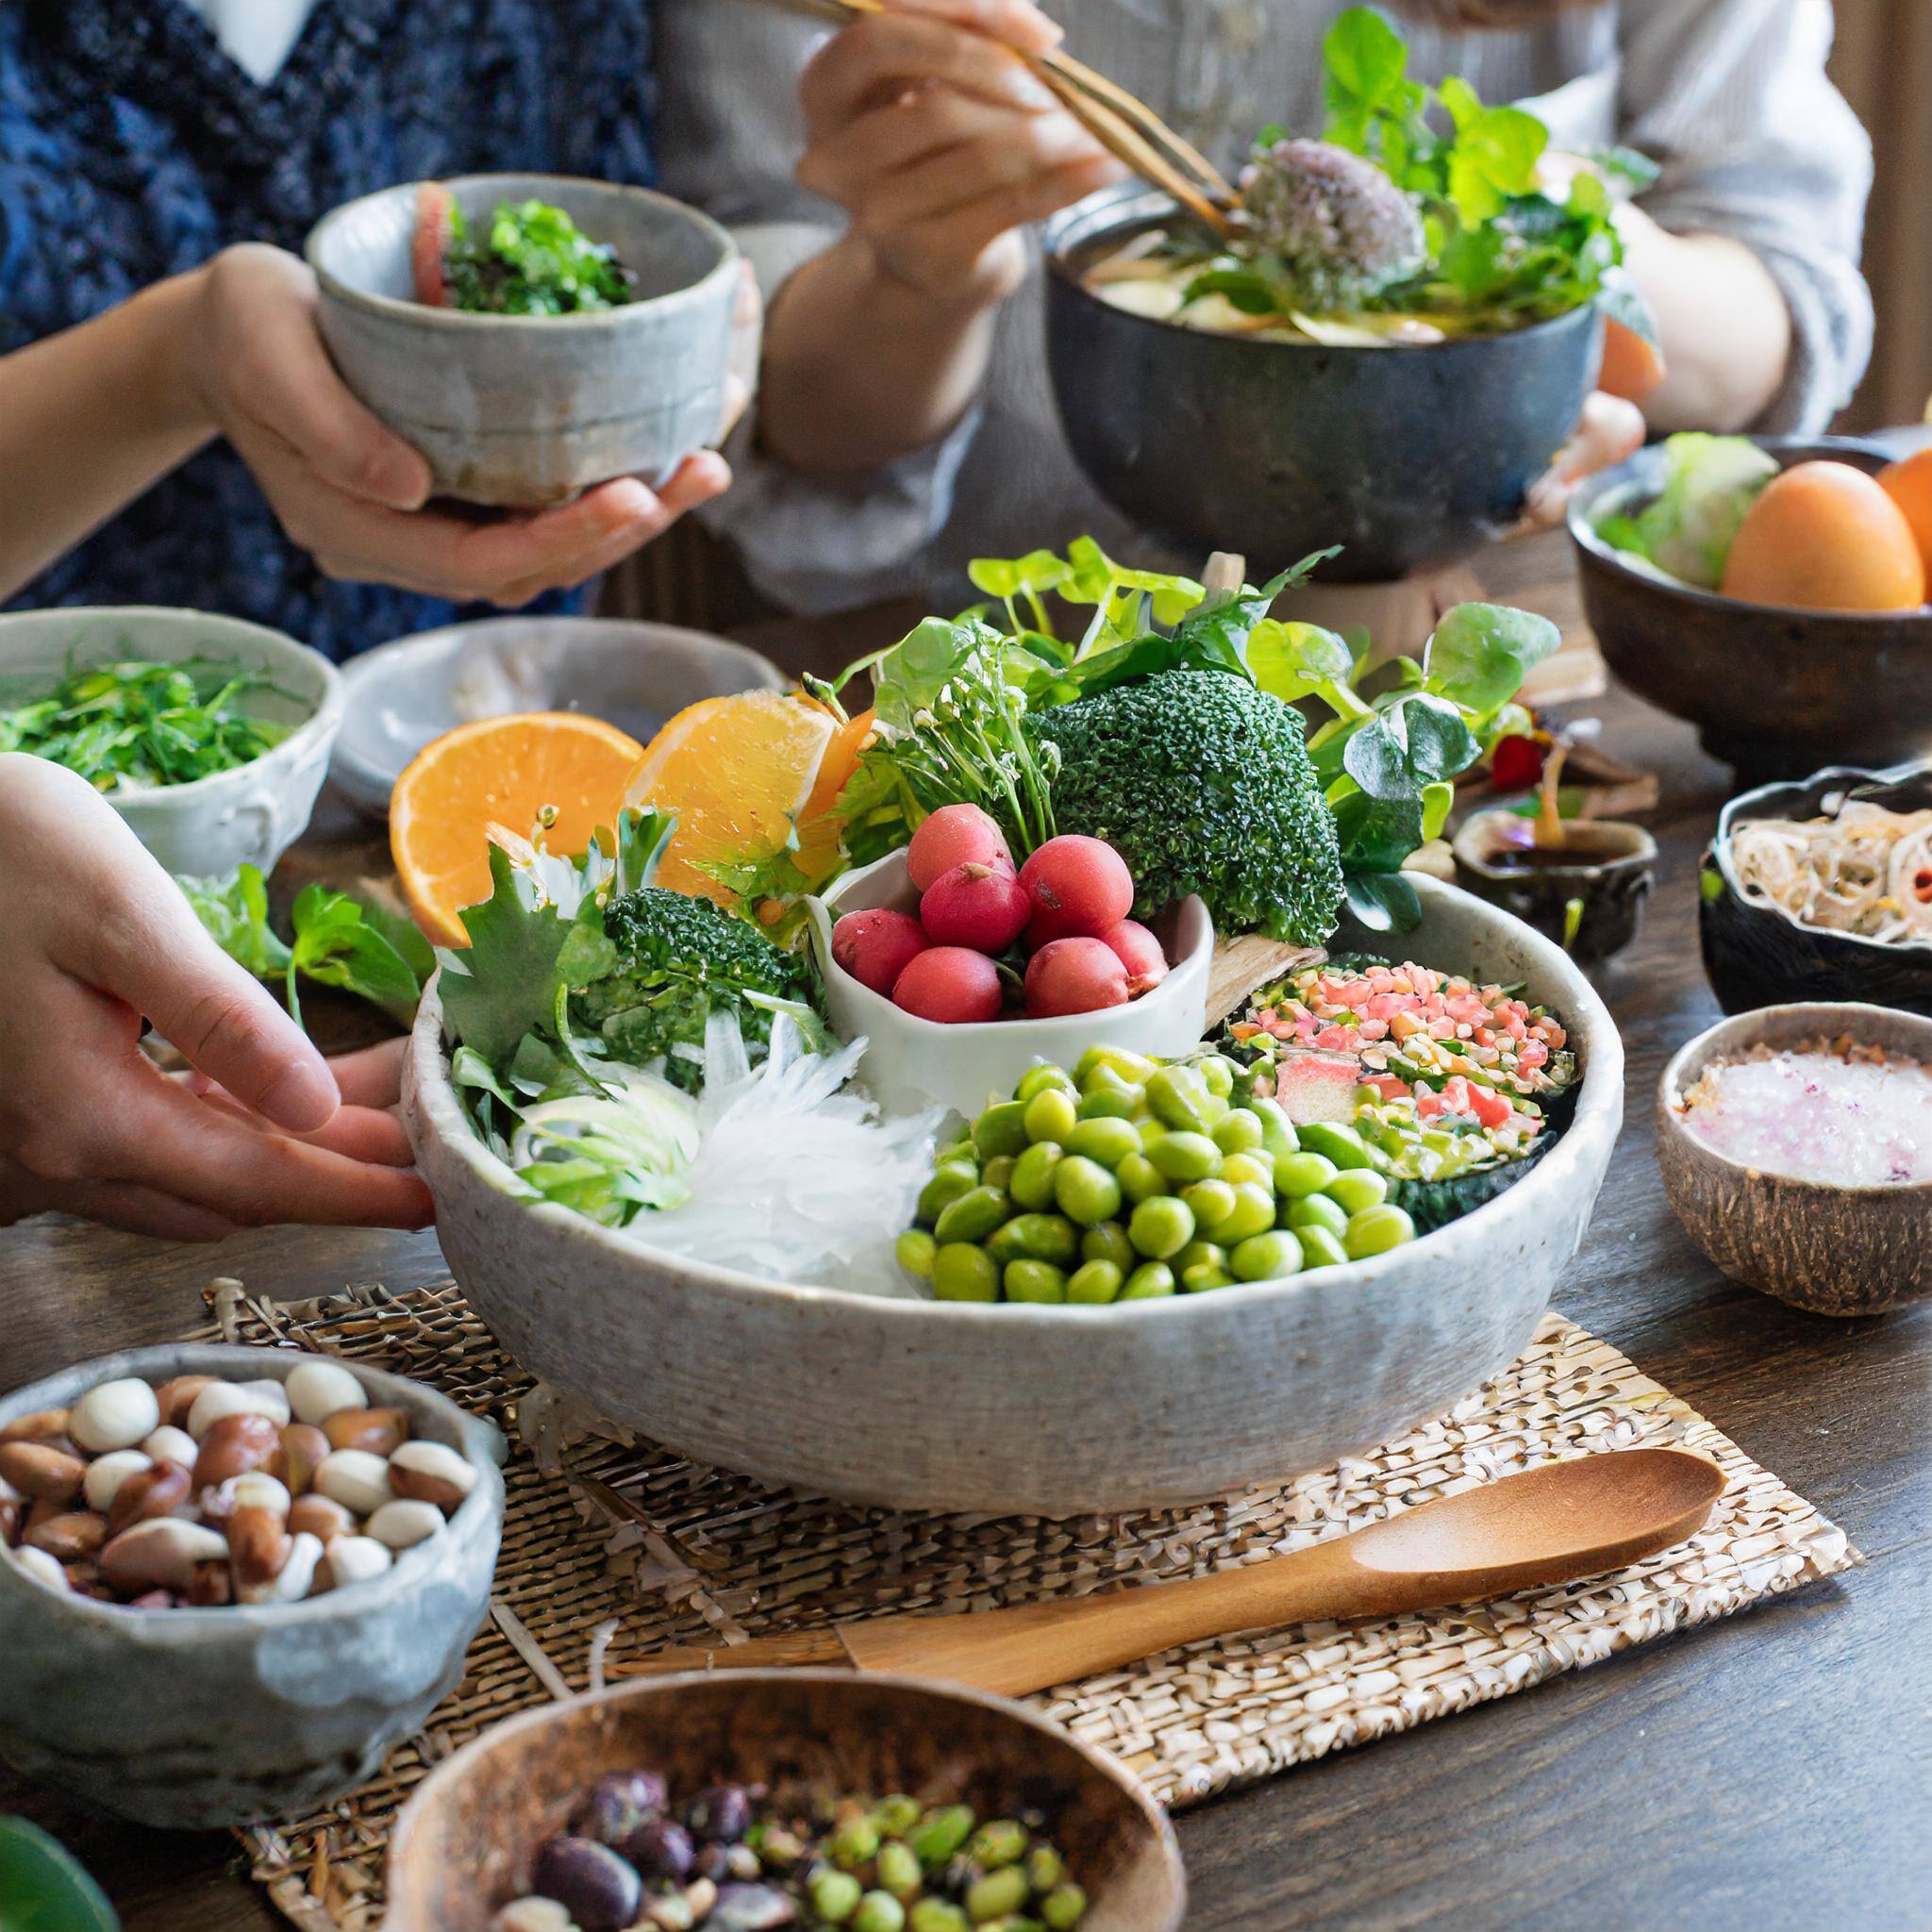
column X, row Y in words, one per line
column 601, row 1892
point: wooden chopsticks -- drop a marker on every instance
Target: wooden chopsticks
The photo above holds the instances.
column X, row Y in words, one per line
column 1130, row 130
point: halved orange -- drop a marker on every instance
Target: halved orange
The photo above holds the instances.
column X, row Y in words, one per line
column 498, row 770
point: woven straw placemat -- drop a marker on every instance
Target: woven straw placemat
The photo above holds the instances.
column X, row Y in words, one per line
column 613, row 1547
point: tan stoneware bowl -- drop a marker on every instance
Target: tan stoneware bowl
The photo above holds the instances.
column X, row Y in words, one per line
column 460, row 1850
column 1829, row 1250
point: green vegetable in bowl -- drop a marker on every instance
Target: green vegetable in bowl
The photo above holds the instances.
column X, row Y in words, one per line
column 532, row 259
column 133, row 724
column 1710, row 483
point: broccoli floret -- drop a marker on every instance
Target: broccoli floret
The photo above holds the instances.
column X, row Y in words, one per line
column 681, row 958
column 1202, row 784
column 1342, row 231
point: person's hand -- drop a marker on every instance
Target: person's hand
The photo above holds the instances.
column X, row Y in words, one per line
column 1610, row 429
column 97, row 937
column 929, row 128
column 351, row 492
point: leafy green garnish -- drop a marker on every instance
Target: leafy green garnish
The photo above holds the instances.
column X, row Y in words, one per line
column 1686, row 529
column 138, row 724
column 532, row 261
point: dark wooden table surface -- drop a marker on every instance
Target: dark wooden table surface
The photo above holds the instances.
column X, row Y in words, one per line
column 1771, row 1771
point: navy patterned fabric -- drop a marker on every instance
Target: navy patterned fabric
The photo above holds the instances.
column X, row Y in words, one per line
column 132, row 148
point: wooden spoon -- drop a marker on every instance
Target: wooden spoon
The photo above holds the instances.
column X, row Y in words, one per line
column 1549, row 1526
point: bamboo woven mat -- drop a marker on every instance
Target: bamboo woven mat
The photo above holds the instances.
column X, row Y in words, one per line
column 613, row 1547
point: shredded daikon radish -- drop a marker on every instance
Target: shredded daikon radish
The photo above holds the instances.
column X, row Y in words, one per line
column 1868, row 870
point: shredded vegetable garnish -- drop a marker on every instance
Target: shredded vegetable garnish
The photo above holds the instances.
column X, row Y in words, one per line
column 1868, row 870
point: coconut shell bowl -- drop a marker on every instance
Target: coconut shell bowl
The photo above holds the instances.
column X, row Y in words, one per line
column 1827, row 1249
column 461, row 1847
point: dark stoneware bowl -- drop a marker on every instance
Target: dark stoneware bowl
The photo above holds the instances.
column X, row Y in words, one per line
column 1755, row 955
column 1609, row 874
column 460, row 1850
column 1406, row 457
column 1774, row 692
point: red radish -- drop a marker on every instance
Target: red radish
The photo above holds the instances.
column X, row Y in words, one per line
column 976, row 906
column 1078, row 886
column 876, row 946
column 954, row 835
column 431, row 241
column 1075, row 975
column 1140, row 951
column 950, row 984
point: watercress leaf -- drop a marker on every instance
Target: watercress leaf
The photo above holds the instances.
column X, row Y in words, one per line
column 1494, row 158
column 1250, row 290
column 334, row 945
column 234, row 912
column 382, row 908
column 1412, row 744
column 1296, row 660
column 1377, row 834
column 1000, row 576
column 1481, row 652
column 1382, row 901
column 1363, row 60
column 469, row 1069
column 1438, row 799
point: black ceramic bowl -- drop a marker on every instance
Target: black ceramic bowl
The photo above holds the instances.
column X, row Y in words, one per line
column 1406, row 457
column 1772, row 691
column 1755, row 955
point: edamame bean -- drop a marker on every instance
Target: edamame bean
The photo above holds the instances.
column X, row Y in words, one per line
column 1199, row 1254
column 1001, row 1129
column 1356, row 1187
column 1121, row 1062
column 1140, row 1179
column 1045, row 1238
column 947, row 1184
column 1108, row 1141
column 1109, row 1243
column 1110, row 1104
column 1243, row 1169
column 972, row 1216
column 1218, row 1071
column 1150, row 1280
column 915, row 1249
column 1318, row 1211
column 1032, row 1183
column 1151, row 1131
column 1376, row 1230
column 1201, row 1277
column 1003, row 1245
column 1266, row 1257
column 1050, row 1116
column 1184, row 1156
column 998, row 1173
column 1278, row 1135
column 1084, row 1191
column 1252, row 1213
column 1209, row 1202
column 1094, row 1282
column 1044, row 1079
column 1034, row 1281
column 1296, row 1174
column 1320, row 1247
column 1341, row 1144
column 962, row 1273
column 1177, row 1096
column 1239, row 1133
column 1160, row 1227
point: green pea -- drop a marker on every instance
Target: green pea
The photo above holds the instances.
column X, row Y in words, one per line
column 896, row 1815
column 1296, row 1174
column 1160, row 1227
column 972, row 1216
column 897, row 1869
column 879, row 1911
column 1061, row 1910
column 998, row 1173
column 1032, row 1182
column 856, row 1843
column 996, row 1893
column 1184, row 1156
column 1050, row 1116
column 1121, row 1062
column 1045, row 1238
column 1199, row 1254
column 1179, row 1098
column 998, row 1842
column 1249, row 1169
column 1001, row 1129
column 937, row 1915
column 1356, row 1187
column 1252, row 1213
column 1110, row 1104
column 1318, row 1211
column 1149, row 1281
column 1107, row 1140
column 1085, row 1191
column 1108, row 1241
column 1341, row 1144
column 1218, row 1072
column 1376, row 1230
column 1044, row 1081
column 1321, row 1248
column 1239, row 1133
column 963, row 1273
column 835, row 1894
column 1034, row 1281
column 1200, row 1278
column 1140, row 1179
column 915, row 1249
column 1045, row 1868
column 1210, row 1203
column 1277, row 1131
column 1266, row 1257
column 947, row 1184
column 1094, row 1282
column 940, row 1835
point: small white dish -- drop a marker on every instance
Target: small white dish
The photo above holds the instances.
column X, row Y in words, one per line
column 913, row 1063
column 247, row 816
column 630, row 673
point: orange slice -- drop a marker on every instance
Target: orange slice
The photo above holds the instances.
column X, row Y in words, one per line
column 819, row 827
column 740, row 773
column 498, row 770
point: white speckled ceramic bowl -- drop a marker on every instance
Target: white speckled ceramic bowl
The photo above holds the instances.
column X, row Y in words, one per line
column 1052, row 1411
column 523, row 410
column 250, row 815
column 199, row 1719
column 912, row 1064
column 631, row 674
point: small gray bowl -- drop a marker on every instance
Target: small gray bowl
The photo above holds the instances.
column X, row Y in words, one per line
column 522, row 410
column 199, row 1719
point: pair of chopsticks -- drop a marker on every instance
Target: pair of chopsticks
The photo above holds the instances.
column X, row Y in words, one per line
column 1127, row 128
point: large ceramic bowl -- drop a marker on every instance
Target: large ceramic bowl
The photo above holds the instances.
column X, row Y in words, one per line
column 250, row 815
column 1406, row 457
column 631, row 674
column 1774, row 692
column 1053, row 1411
column 197, row 1719
column 523, row 411
column 461, row 1848
column 1757, row 955
column 1829, row 1250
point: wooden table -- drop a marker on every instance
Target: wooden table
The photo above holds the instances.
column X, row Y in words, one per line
column 1771, row 1771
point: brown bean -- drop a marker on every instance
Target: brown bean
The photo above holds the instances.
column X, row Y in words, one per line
column 70, row 1536
column 211, row 1587
column 153, row 1600
column 258, row 1546
column 431, row 1473
column 303, row 1447
column 232, row 1445
column 40, row 1426
column 43, row 1509
column 84, row 1578
column 37, row 1469
column 379, row 1431
column 158, row 1492
column 12, row 1514
column 160, row 1554
column 321, row 1517
column 177, row 1397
